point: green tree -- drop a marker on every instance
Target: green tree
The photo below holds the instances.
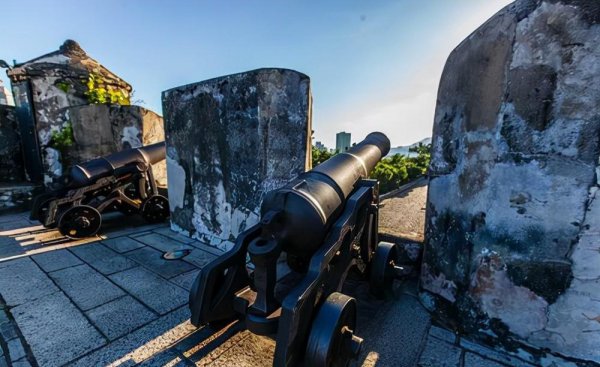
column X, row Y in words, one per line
column 393, row 172
column 319, row 156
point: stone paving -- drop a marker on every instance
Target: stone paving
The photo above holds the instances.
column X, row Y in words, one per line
column 113, row 301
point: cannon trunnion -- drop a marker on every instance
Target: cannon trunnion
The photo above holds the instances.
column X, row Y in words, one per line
column 121, row 181
column 312, row 231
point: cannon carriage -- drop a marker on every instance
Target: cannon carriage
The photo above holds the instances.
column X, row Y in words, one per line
column 120, row 181
column 312, row 231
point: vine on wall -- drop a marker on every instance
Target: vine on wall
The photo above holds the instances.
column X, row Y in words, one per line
column 100, row 93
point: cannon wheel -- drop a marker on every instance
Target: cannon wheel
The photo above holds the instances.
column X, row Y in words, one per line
column 332, row 342
column 155, row 209
column 79, row 221
column 383, row 269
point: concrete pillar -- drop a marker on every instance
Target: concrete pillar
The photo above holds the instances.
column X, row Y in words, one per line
column 229, row 141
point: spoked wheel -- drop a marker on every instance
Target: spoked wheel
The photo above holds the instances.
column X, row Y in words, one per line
column 155, row 209
column 79, row 221
column 332, row 342
column 384, row 269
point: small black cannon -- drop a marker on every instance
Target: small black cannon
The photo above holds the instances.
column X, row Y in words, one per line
column 121, row 181
column 312, row 231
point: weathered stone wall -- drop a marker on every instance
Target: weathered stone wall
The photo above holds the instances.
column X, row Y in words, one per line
column 99, row 130
column 11, row 156
column 59, row 80
column 229, row 141
column 512, row 236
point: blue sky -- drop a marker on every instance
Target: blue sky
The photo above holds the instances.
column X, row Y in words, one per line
column 374, row 65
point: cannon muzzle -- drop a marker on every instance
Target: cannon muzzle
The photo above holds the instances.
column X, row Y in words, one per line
column 303, row 211
column 84, row 173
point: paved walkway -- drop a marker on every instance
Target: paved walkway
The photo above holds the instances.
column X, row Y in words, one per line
column 113, row 301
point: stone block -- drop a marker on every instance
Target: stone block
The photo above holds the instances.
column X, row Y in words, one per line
column 103, row 259
column 23, row 362
column 152, row 290
column 153, row 261
column 438, row 353
column 442, row 334
column 56, row 260
column 86, row 287
column 119, row 317
column 144, row 343
column 474, row 360
column 55, row 330
column 514, row 155
column 122, row 244
column 15, row 349
column 101, row 129
column 186, row 280
column 200, row 258
column 399, row 324
column 22, row 281
column 161, row 243
column 230, row 140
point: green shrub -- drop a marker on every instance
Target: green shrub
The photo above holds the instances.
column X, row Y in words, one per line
column 391, row 172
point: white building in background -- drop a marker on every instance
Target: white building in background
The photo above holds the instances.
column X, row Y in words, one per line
column 320, row 146
column 342, row 141
column 6, row 97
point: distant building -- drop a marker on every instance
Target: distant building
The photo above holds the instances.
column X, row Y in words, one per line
column 320, row 146
column 5, row 96
column 342, row 141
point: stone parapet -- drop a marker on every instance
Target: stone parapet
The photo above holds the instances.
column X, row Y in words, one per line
column 230, row 140
column 513, row 172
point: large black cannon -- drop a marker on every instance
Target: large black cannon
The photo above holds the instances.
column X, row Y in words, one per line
column 312, row 231
column 122, row 181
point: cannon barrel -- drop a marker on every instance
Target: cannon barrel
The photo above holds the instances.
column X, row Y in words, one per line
column 308, row 205
column 86, row 172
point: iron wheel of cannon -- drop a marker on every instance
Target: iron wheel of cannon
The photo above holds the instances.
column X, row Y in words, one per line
column 155, row 209
column 79, row 221
column 383, row 268
column 332, row 342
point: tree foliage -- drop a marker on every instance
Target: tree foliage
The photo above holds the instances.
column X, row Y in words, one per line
column 392, row 172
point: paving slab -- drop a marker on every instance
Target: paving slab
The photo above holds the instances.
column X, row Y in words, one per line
column 143, row 343
column 56, row 260
column 167, row 231
column 403, row 215
column 15, row 349
column 200, row 258
column 119, row 317
column 473, row 360
column 22, row 281
column 161, row 243
column 491, row 354
column 186, row 280
column 152, row 260
column 152, row 290
column 443, row 334
column 55, row 330
column 122, row 244
column 102, row 258
column 86, row 287
column 399, row 324
column 21, row 363
column 438, row 353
